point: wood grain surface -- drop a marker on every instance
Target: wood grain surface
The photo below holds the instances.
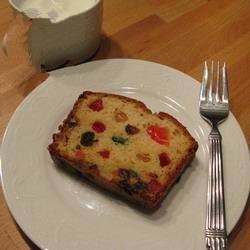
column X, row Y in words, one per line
column 178, row 33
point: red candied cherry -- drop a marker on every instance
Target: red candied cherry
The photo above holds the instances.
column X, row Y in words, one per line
column 164, row 159
column 98, row 127
column 104, row 154
column 155, row 186
column 158, row 134
column 96, row 105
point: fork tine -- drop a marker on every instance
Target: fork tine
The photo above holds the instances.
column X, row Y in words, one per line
column 210, row 90
column 217, row 96
column 203, row 89
column 224, row 84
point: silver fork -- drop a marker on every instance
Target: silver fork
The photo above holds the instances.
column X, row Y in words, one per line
column 214, row 108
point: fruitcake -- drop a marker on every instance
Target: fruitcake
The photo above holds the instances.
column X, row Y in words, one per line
column 119, row 144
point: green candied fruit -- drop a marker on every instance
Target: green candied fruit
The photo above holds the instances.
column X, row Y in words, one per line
column 119, row 140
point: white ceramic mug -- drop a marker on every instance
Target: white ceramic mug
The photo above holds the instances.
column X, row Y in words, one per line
column 62, row 31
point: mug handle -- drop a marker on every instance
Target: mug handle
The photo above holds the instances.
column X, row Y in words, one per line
column 4, row 43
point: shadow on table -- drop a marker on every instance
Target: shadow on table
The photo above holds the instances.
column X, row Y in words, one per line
column 108, row 48
column 30, row 243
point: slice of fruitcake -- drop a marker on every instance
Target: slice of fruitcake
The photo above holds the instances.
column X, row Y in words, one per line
column 117, row 142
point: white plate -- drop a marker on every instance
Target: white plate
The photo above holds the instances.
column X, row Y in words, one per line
column 59, row 211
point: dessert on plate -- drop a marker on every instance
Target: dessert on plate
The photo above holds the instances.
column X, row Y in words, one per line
column 119, row 144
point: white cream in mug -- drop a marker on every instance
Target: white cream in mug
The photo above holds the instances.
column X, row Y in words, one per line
column 55, row 10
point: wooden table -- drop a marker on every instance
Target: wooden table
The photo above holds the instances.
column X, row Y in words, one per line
column 181, row 34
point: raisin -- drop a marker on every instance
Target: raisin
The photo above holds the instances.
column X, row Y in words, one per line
column 124, row 173
column 133, row 173
column 143, row 157
column 164, row 159
column 119, row 140
column 87, row 139
column 121, row 117
column 78, row 146
column 126, row 187
column 122, row 183
column 131, row 130
column 139, row 186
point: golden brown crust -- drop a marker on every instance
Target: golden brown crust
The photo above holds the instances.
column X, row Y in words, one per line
column 91, row 170
column 91, row 174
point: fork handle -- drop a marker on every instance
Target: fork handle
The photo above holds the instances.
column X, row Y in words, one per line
column 215, row 221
